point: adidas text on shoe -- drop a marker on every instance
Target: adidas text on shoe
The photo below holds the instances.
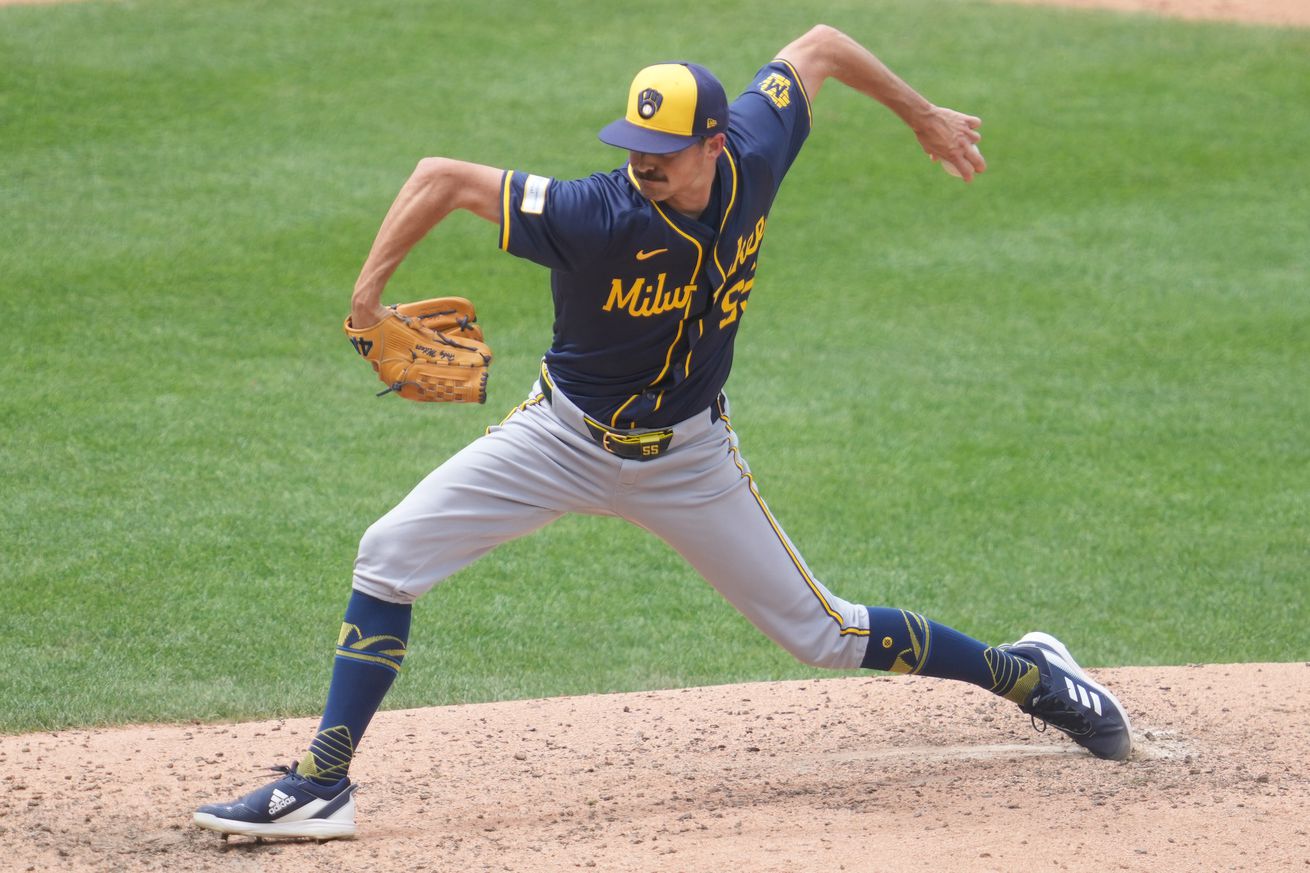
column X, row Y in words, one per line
column 1071, row 701
column 291, row 806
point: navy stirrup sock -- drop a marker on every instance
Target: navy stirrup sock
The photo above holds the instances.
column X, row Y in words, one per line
column 906, row 642
column 370, row 648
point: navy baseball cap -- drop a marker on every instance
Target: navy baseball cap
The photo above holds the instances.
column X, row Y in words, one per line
column 670, row 106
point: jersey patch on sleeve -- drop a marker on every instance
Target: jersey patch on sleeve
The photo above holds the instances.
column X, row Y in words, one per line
column 777, row 88
column 534, row 195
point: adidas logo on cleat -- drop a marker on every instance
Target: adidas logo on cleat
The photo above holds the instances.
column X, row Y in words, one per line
column 279, row 801
column 1078, row 693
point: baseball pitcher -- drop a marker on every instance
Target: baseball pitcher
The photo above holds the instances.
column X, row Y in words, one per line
column 652, row 267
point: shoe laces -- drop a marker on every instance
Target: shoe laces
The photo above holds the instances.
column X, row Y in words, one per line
column 1052, row 708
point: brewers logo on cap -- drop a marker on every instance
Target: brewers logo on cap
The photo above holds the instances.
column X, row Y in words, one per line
column 648, row 103
column 670, row 106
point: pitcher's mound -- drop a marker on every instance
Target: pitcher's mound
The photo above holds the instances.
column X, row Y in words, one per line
column 885, row 774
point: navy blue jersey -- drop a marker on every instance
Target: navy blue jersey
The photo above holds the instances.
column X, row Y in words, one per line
column 647, row 300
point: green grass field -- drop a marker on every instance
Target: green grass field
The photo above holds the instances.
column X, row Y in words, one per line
column 1074, row 395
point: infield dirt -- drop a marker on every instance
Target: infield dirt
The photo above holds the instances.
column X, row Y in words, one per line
column 876, row 774
column 1291, row 13
column 1294, row 13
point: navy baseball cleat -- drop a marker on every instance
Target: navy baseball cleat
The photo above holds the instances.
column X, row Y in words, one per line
column 292, row 806
column 1069, row 700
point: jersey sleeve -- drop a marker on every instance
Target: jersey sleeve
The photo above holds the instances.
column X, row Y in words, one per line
column 773, row 116
column 557, row 224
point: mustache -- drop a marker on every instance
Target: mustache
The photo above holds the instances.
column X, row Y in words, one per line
column 649, row 176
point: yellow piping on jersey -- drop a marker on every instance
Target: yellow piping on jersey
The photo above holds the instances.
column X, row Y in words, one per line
column 615, row 417
column 686, row 313
column 686, row 367
column 668, row 355
column 504, row 210
column 732, row 198
column 714, row 253
column 843, row 628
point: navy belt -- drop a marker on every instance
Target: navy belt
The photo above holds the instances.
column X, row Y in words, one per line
column 642, row 446
column 632, row 445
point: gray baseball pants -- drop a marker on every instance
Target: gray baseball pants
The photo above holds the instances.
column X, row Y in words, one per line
column 698, row 496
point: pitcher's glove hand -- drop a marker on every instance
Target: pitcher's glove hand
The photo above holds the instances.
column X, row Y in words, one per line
column 431, row 350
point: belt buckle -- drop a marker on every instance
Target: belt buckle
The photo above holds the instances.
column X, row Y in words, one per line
column 630, row 446
column 638, row 447
column 641, row 447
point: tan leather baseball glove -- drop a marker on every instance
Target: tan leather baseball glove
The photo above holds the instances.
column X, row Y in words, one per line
column 432, row 350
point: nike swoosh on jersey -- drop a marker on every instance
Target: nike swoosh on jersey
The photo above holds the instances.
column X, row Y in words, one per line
column 643, row 255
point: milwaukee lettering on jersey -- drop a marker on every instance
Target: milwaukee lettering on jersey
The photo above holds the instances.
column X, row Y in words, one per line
column 642, row 299
column 746, row 246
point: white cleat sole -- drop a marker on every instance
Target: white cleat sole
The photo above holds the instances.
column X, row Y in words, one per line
column 318, row 829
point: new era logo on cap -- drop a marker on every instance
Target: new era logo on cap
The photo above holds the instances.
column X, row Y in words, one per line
column 670, row 106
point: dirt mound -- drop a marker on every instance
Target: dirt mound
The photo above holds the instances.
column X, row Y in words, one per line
column 1288, row 13
column 878, row 773
column 1294, row 13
